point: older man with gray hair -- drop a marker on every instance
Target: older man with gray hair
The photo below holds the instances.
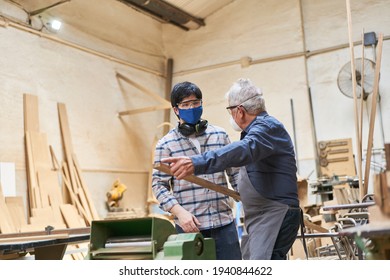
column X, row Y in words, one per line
column 267, row 184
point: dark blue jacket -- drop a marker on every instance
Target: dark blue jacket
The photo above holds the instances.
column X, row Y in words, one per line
column 267, row 152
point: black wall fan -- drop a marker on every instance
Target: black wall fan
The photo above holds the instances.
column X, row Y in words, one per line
column 344, row 79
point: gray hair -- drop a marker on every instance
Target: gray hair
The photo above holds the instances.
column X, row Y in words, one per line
column 245, row 93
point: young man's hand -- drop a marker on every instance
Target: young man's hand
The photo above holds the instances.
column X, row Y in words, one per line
column 187, row 221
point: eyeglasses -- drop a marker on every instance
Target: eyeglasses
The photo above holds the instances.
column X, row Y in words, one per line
column 230, row 108
column 190, row 104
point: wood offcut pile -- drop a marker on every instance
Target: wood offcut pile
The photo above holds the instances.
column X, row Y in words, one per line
column 57, row 195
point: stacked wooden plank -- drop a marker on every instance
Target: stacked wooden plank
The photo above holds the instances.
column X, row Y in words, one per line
column 382, row 186
column 57, row 195
column 43, row 188
column 49, row 203
column 71, row 173
column 7, row 224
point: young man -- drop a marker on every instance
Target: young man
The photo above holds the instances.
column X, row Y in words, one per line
column 268, row 183
column 196, row 209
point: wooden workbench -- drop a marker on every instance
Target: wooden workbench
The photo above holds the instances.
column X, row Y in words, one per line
column 43, row 245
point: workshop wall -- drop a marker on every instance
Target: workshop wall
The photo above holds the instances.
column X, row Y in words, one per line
column 326, row 27
column 107, row 147
column 276, row 35
column 214, row 57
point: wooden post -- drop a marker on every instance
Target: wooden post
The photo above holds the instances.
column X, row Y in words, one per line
column 387, row 155
column 168, row 86
column 362, row 95
column 373, row 114
column 357, row 129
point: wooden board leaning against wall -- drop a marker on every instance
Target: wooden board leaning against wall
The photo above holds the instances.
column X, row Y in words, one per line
column 57, row 196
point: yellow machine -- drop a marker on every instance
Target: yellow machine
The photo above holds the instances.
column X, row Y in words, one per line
column 114, row 195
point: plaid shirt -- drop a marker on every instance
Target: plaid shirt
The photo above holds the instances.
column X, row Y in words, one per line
column 211, row 208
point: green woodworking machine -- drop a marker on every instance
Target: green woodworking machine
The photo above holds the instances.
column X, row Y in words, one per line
column 148, row 238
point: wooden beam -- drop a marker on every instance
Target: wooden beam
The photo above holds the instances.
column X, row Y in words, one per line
column 32, row 179
column 164, row 104
column 67, row 143
column 143, row 110
column 56, row 165
column 387, row 156
column 150, row 197
column 6, row 223
column 75, row 199
column 31, row 115
column 31, row 123
column 353, row 72
column 141, row 88
column 315, row 227
column 85, row 189
column 17, row 211
column 71, row 217
column 201, row 182
column 168, row 87
column 374, row 99
column 360, row 144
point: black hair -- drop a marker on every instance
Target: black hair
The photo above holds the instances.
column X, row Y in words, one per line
column 183, row 90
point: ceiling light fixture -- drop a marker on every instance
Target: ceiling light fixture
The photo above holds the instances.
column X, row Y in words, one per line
column 55, row 24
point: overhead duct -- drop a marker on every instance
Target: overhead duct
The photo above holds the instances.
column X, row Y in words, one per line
column 165, row 12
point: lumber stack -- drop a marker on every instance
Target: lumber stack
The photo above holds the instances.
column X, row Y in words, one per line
column 43, row 189
column 57, row 195
column 74, row 184
column 382, row 186
column 7, row 224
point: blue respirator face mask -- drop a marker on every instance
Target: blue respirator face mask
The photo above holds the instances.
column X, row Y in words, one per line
column 192, row 115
